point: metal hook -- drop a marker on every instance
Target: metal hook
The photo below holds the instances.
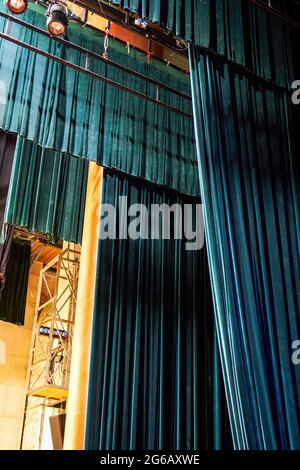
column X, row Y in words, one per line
column 105, row 53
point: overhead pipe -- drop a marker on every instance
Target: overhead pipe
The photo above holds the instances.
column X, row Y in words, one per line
column 94, row 75
column 96, row 56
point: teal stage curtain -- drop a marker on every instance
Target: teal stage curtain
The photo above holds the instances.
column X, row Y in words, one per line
column 237, row 29
column 250, row 190
column 13, row 296
column 47, row 192
column 5, row 250
column 69, row 112
column 154, row 371
column 188, row 19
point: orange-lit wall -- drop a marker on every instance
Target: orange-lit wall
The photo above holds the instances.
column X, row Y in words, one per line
column 14, row 351
column 135, row 40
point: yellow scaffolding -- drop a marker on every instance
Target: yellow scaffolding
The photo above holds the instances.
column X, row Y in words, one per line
column 51, row 346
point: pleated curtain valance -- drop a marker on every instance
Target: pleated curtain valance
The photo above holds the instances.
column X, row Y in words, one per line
column 248, row 162
column 155, row 381
column 47, row 192
column 68, row 111
column 240, row 30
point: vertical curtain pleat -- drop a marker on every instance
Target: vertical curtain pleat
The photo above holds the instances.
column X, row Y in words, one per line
column 188, row 19
column 240, row 30
column 5, row 250
column 69, row 112
column 154, row 371
column 250, row 190
column 13, row 296
column 47, row 192
column 7, row 149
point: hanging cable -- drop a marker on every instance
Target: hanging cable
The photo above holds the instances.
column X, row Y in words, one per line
column 80, row 12
column 182, row 44
column 102, row 11
column 169, row 60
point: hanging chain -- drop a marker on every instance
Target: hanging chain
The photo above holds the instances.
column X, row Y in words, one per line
column 105, row 53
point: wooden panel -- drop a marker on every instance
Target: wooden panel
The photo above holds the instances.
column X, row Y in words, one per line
column 47, row 391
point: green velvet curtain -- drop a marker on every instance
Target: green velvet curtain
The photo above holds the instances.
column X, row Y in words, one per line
column 5, row 250
column 47, row 192
column 154, row 372
column 237, row 29
column 248, row 159
column 13, row 296
column 68, row 111
column 188, row 19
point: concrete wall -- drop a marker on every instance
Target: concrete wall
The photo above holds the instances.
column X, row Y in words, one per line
column 14, row 351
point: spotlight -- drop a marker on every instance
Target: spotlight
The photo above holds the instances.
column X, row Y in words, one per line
column 16, row 6
column 57, row 21
column 141, row 23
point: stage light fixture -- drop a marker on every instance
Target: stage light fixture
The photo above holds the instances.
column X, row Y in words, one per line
column 16, row 6
column 141, row 23
column 57, row 20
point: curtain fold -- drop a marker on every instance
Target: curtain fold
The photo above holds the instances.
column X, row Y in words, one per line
column 13, row 296
column 70, row 112
column 7, row 149
column 47, row 192
column 240, row 30
column 154, row 372
column 188, row 19
column 250, row 191
column 5, row 250
column 66, row 111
